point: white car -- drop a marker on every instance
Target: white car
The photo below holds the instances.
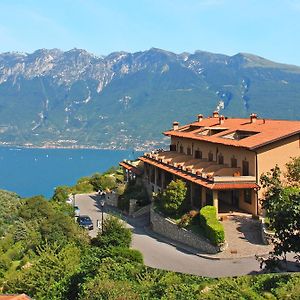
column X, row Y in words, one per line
column 69, row 200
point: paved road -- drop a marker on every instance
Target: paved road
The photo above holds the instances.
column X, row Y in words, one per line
column 159, row 253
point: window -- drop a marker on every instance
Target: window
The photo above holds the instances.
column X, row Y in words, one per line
column 188, row 151
column 239, row 135
column 210, row 156
column 181, row 149
column 221, row 159
column 198, row 154
column 245, row 168
column 233, row 162
column 210, row 131
column 172, row 147
column 247, row 196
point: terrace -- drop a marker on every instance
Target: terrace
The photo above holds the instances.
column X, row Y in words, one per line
column 210, row 171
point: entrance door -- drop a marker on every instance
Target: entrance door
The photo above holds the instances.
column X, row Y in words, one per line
column 235, row 197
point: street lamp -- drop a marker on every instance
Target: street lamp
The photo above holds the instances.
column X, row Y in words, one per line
column 102, row 202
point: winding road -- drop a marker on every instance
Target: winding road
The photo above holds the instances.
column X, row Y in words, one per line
column 161, row 253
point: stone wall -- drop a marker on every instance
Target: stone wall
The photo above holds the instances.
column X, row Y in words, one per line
column 170, row 230
column 111, row 199
column 142, row 211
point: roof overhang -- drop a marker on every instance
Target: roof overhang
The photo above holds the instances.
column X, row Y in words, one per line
column 129, row 167
column 197, row 180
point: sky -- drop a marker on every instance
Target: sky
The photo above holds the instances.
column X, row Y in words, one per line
column 268, row 28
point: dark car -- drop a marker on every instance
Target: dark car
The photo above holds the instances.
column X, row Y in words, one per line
column 85, row 222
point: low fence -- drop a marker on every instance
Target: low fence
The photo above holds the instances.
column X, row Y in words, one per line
column 170, row 230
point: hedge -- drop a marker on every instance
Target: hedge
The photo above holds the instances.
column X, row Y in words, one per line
column 213, row 229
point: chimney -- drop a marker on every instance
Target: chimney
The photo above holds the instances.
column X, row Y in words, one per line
column 221, row 120
column 175, row 125
column 215, row 114
column 200, row 118
column 253, row 118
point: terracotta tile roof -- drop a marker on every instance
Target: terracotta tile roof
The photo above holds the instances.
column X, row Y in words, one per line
column 14, row 297
column 264, row 131
column 200, row 181
column 130, row 168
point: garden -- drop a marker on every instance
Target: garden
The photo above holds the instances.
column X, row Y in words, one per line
column 172, row 203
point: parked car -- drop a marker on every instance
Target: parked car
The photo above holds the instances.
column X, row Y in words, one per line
column 76, row 211
column 85, row 222
column 70, row 200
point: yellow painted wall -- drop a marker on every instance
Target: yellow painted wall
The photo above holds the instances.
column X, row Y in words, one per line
column 227, row 151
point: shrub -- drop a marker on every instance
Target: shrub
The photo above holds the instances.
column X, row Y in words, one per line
column 99, row 288
column 123, row 203
column 188, row 218
column 114, row 234
column 132, row 255
column 213, row 229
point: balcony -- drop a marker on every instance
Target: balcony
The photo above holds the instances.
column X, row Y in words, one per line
column 200, row 168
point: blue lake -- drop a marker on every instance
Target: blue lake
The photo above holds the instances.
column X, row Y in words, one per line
column 31, row 172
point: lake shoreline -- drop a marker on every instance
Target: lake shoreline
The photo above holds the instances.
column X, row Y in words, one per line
column 81, row 147
column 32, row 171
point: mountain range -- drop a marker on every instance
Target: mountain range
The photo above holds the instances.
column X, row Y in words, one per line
column 53, row 98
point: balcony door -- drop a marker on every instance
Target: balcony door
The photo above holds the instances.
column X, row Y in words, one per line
column 245, row 168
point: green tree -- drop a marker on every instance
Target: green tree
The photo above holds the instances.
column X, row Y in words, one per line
column 108, row 182
column 95, row 181
column 282, row 205
column 8, row 210
column 114, row 234
column 173, row 197
column 61, row 194
column 49, row 275
column 293, row 171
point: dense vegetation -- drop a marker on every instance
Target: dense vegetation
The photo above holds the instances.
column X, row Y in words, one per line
column 45, row 255
column 109, row 180
column 282, row 206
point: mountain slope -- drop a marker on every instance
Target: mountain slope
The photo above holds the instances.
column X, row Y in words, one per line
column 123, row 100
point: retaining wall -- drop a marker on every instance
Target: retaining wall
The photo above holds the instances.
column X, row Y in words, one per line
column 170, row 230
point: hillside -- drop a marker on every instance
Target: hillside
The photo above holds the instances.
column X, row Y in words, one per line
column 125, row 100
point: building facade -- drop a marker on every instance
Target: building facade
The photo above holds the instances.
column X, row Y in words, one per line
column 221, row 159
